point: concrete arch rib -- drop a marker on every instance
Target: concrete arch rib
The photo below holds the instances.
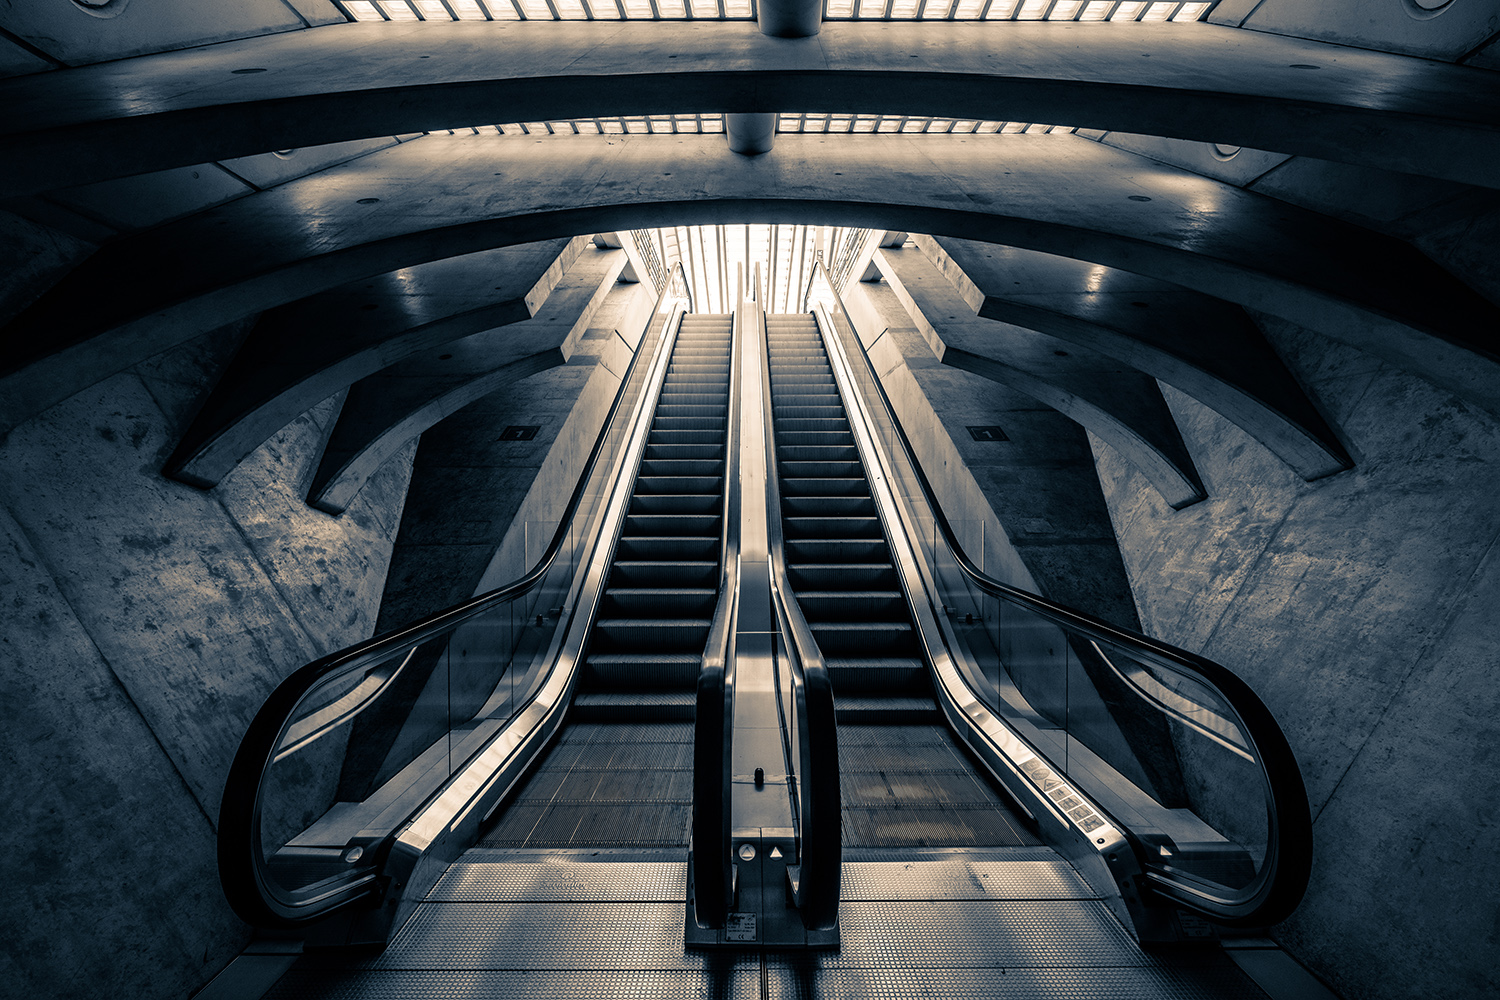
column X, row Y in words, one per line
column 439, row 197
column 1201, row 345
column 355, row 81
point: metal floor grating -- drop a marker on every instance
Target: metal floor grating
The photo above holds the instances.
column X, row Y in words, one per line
column 489, row 882
column 582, row 936
column 723, row 981
column 1219, row 979
column 948, row 934
column 955, row 880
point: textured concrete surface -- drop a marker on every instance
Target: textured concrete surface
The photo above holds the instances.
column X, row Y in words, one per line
column 1046, row 527
column 33, row 258
column 146, row 622
column 1360, row 608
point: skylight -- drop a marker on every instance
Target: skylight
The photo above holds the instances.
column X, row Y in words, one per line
column 738, row 10
column 714, row 257
column 785, row 123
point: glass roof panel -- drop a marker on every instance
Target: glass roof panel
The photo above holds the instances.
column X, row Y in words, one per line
column 961, row 10
column 398, row 10
column 809, row 122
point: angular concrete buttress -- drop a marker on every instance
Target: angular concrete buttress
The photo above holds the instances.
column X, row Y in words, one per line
column 385, row 411
column 304, row 352
column 1119, row 404
column 1204, row 346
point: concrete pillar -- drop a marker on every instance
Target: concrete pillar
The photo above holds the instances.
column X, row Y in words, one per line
column 750, row 133
column 791, row 18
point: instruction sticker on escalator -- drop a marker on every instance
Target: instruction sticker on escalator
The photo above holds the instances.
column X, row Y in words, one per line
column 740, row 927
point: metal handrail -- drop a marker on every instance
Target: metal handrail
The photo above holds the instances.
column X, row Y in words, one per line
column 819, row 807
column 1284, row 874
column 274, row 732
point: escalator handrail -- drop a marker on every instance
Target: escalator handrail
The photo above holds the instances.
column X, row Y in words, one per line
column 819, row 806
column 713, row 763
column 1284, row 874
column 242, row 870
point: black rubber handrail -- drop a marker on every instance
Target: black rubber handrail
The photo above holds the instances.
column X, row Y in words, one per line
column 819, row 805
column 1284, row 873
column 713, row 777
column 252, row 892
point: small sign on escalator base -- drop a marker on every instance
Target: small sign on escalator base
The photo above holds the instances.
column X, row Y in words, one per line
column 740, row 927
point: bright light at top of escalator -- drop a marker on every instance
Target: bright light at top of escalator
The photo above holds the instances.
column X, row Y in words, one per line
column 717, row 10
column 814, row 122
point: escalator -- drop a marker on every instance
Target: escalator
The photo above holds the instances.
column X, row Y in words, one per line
column 905, row 781
column 620, row 774
column 598, row 774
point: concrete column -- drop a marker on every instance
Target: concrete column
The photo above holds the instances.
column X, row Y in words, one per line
column 791, row 18
column 750, row 133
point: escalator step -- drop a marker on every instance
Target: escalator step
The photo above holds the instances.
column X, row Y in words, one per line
column 667, row 547
column 814, row 439
column 825, row 487
column 623, row 602
column 800, row 424
column 634, row 706
column 642, row 671
column 886, row 710
column 654, row 572
column 851, row 605
column 719, row 424
column 837, row 550
column 877, row 675
column 675, row 503
column 687, row 435
column 825, row 576
column 833, row 527
column 673, row 524
column 679, row 484
column 680, row 467
column 828, row 506
column 838, row 639
column 678, row 452
column 673, row 635
column 821, row 470
column 818, row 453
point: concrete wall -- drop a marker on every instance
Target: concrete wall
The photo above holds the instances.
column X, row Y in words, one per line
column 144, row 623
column 1362, row 608
column 1028, row 508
